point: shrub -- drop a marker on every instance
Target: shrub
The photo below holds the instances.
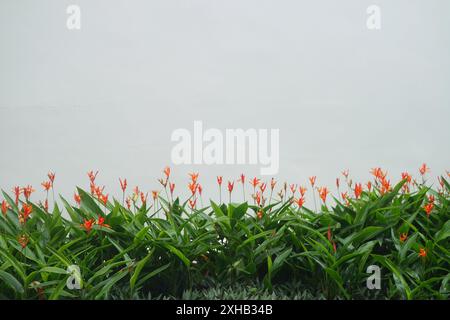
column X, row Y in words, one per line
column 272, row 247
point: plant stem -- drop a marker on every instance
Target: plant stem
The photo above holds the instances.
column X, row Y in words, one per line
column 315, row 204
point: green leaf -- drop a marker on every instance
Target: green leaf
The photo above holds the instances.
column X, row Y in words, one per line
column 406, row 246
column 58, row 291
column 76, row 218
column 363, row 235
column 139, row 267
column 88, row 205
column 402, row 285
column 54, row 270
column 338, row 280
column 217, row 210
column 178, row 253
column 238, row 212
column 152, row 274
column 109, row 283
column 444, row 233
column 279, row 260
column 14, row 263
column 11, row 281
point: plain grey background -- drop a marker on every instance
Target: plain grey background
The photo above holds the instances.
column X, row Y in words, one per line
column 108, row 96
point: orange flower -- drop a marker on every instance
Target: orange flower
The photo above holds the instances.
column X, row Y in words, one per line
column 431, row 198
column 358, row 190
column 423, row 169
column 422, row 252
column 312, row 180
column 171, row 187
column 258, row 198
column 92, row 176
column 403, row 237
column 27, row 191
column 260, row 214
column 128, row 202
column 428, row 208
column 263, row 187
column 302, row 190
column 144, row 197
column 155, row 195
column 47, row 185
column 219, row 180
column 254, row 182
column 300, row 201
column 344, row 196
column 406, row 176
column 329, row 236
column 323, row 192
column 103, row 198
column 194, row 177
column 385, row 185
column 378, row 173
column 99, row 191
column 123, row 184
column 51, row 177
column 200, row 189
column 77, row 198
column 23, row 241
column 167, row 172
column 88, row 224
column 369, row 185
column 242, row 179
column 192, row 203
column 27, row 209
column 101, row 222
column 193, row 187
column 17, row 191
column 92, row 186
column 230, row 186
column 5, row 207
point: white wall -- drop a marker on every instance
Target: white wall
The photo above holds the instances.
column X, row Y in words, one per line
column 108, row 96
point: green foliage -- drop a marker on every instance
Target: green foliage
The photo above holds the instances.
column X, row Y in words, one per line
column 237, row 291
column 176, row 252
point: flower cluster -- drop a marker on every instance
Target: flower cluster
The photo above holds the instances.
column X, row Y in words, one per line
column 261, row 199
